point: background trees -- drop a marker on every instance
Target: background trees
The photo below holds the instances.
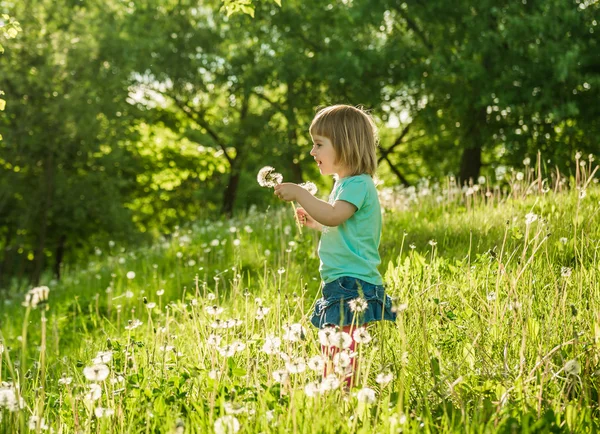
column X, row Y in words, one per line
column 128, row 119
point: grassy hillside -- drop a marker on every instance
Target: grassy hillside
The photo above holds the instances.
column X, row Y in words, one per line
column 498, row 326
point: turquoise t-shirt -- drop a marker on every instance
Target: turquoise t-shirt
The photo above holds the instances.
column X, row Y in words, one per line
column 352, row 248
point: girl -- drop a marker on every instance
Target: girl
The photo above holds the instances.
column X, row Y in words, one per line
column 344, row 145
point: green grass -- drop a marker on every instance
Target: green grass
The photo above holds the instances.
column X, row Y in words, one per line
column 498, row 328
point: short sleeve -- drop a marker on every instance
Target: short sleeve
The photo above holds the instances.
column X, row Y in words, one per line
column 353, row 191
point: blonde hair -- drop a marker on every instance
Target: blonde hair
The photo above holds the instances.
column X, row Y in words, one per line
column 353, row 135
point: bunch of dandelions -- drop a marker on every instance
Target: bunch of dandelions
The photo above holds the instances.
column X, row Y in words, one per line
column 267, row 177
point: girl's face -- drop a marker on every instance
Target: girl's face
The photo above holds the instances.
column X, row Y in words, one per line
column 324, row 154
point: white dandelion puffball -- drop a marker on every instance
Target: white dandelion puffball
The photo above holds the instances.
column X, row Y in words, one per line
column 227, row 425
column 102, row 357
column 361, row 336
column 316, row 363
column 94, row 393
column 331, row 382
column 267, row 177
column 384, row 378
column 271, row 345
column 131, row 275
column 310, row 187
column 296, row 366
column 342, row 359
column 98, row 372
column 358, row 305
column 101, row 412
column 312, row 389
column 366, row 395
column 572, row 367
column 530, row 218
column 281, row 375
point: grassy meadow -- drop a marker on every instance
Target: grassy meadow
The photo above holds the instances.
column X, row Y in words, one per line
column 498, row 298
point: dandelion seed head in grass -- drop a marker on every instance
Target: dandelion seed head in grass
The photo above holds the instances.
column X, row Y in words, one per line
column 296, row 366
column 131, row 275
column 530, row 218
column 103, row 357
column 281, row 375
column 64, row 380
column 102, row 412
column 213, row 340
column 582, row 193
column 294, row 332
column 358, row 305
column 572, row 367
column 566, row 272
column 34, row 421
column 271, row 345
column 328, row 336
column 361, row 336
column 133, row 324
column 312, row 389
column 267, row 177
column 366, row 395
column 94, row 393
column 330, row 382
column 98, row 372
column 227, row 425
column 36, row 296
column 234, row 408
column 213, row 310
column 261, row 312
column 491, row 296
column 310, row 187
column 316, row 363
column 384, row 378
column 8, row 399
column 342, row 359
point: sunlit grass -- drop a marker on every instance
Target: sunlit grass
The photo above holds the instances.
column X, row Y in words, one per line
column 497, row 330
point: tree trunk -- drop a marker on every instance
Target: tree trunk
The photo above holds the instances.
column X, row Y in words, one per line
column 231, row 189
column 39, row 251
column 60, row 253
column 470, row 163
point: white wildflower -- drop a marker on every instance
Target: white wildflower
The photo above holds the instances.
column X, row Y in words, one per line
column 310, row 187
column 316, row 363
column 358, row 305
column 366, row 395
column 98, row 372
column 213, row 310
column 271, row 345
column 294, row 332
column 361, row 336
column 296, row 366
column 227, row 425
column 267, row 177
column 530, row 218
column 281, row 375
column 383, row 378
column 312, row 389
column 572, row 367
column 101, row 412
column 331, row 382
column 133, row 324
column 103, row 357
column 94, row 393
column 131, row 275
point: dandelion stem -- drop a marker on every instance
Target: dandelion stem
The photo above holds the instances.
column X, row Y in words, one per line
column 296, row 219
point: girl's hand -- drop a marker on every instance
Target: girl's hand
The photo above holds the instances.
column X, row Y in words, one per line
column 287, row 191
column 305, row 219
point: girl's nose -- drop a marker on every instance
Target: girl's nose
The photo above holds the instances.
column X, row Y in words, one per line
column 312, row 151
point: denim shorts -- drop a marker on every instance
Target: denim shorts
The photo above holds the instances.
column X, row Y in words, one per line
column 334, row 308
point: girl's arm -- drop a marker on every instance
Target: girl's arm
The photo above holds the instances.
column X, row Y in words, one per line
column 323, row 212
